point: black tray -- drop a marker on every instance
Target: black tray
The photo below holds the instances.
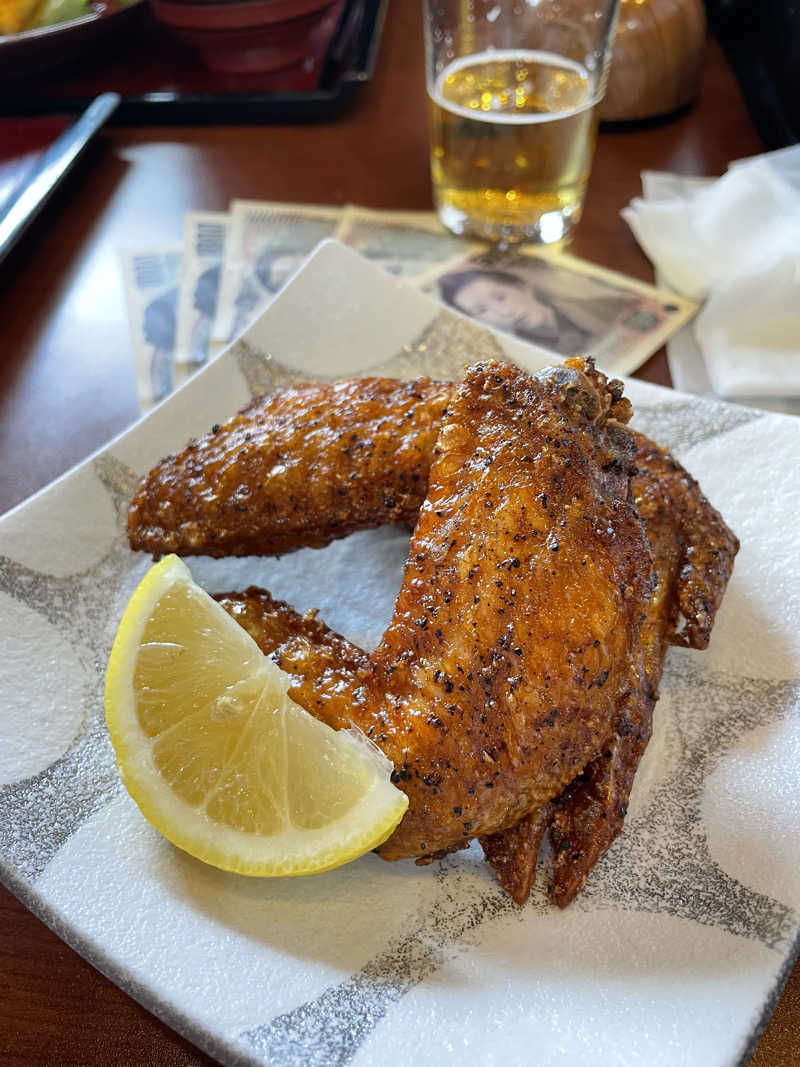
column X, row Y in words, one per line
column 349, row 64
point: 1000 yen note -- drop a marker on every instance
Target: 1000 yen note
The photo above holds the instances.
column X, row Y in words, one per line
column 404, row 243
column 266, row 244
column 205, row 233
column 151, row 279
column 562, row 304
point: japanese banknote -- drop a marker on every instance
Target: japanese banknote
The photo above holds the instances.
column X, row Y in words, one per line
column 404, row 243
column 185, row 305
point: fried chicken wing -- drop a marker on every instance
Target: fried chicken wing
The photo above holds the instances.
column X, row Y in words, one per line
column 480, row 749
column 513, row 853
column 511, row 646
column 590, row 813
column 297, row 468
column 309, row 464
column 516, row 625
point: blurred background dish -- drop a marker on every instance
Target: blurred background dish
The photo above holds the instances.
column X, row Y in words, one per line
column 314, row 73
column 17, row 16
column 56, row 41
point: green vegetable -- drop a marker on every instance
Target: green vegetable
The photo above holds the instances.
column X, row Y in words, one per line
column 61, row 11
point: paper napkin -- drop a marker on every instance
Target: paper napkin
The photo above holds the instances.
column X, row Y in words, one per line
column 734, row 242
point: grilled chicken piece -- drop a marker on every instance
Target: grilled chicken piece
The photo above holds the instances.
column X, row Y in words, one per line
column 297, row 468
column 514, row 636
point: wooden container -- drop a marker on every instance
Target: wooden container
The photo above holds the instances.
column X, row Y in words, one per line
column 658, row 53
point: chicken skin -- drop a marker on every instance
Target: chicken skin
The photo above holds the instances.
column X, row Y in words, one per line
column 693, row 553
column 514, row 687
column 297, row 468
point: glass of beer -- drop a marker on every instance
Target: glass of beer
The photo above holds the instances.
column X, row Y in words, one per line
column 514, row 87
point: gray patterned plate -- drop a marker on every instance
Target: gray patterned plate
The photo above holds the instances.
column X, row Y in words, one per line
column 676, row 949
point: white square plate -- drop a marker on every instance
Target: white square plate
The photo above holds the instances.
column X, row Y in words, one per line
column 676, row 949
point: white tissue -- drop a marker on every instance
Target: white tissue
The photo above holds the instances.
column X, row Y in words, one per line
column 735, row 242
column 749, row 330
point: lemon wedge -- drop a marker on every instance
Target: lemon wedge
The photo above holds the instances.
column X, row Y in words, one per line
column 218, row 757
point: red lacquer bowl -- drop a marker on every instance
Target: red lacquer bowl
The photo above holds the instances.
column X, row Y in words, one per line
column 245, row 36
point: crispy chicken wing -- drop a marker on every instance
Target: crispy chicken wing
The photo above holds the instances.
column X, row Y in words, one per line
column 297, row 468
column 693, row 552
column 515, row 629
column 312, row 463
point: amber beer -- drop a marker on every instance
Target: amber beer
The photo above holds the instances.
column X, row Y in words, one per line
column 512, row 138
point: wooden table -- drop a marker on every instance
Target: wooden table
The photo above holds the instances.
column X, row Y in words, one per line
column 67, row 386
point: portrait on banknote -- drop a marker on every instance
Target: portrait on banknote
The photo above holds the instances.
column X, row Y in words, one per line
column 152, row 278
column 204, row 304
column 560, row 303
column 205, row 234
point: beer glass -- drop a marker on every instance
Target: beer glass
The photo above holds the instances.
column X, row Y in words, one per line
column 514, row 87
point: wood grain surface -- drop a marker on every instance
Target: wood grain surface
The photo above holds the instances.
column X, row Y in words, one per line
column 67, row 386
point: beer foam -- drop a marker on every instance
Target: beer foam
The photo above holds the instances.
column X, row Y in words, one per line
column 511, row 55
